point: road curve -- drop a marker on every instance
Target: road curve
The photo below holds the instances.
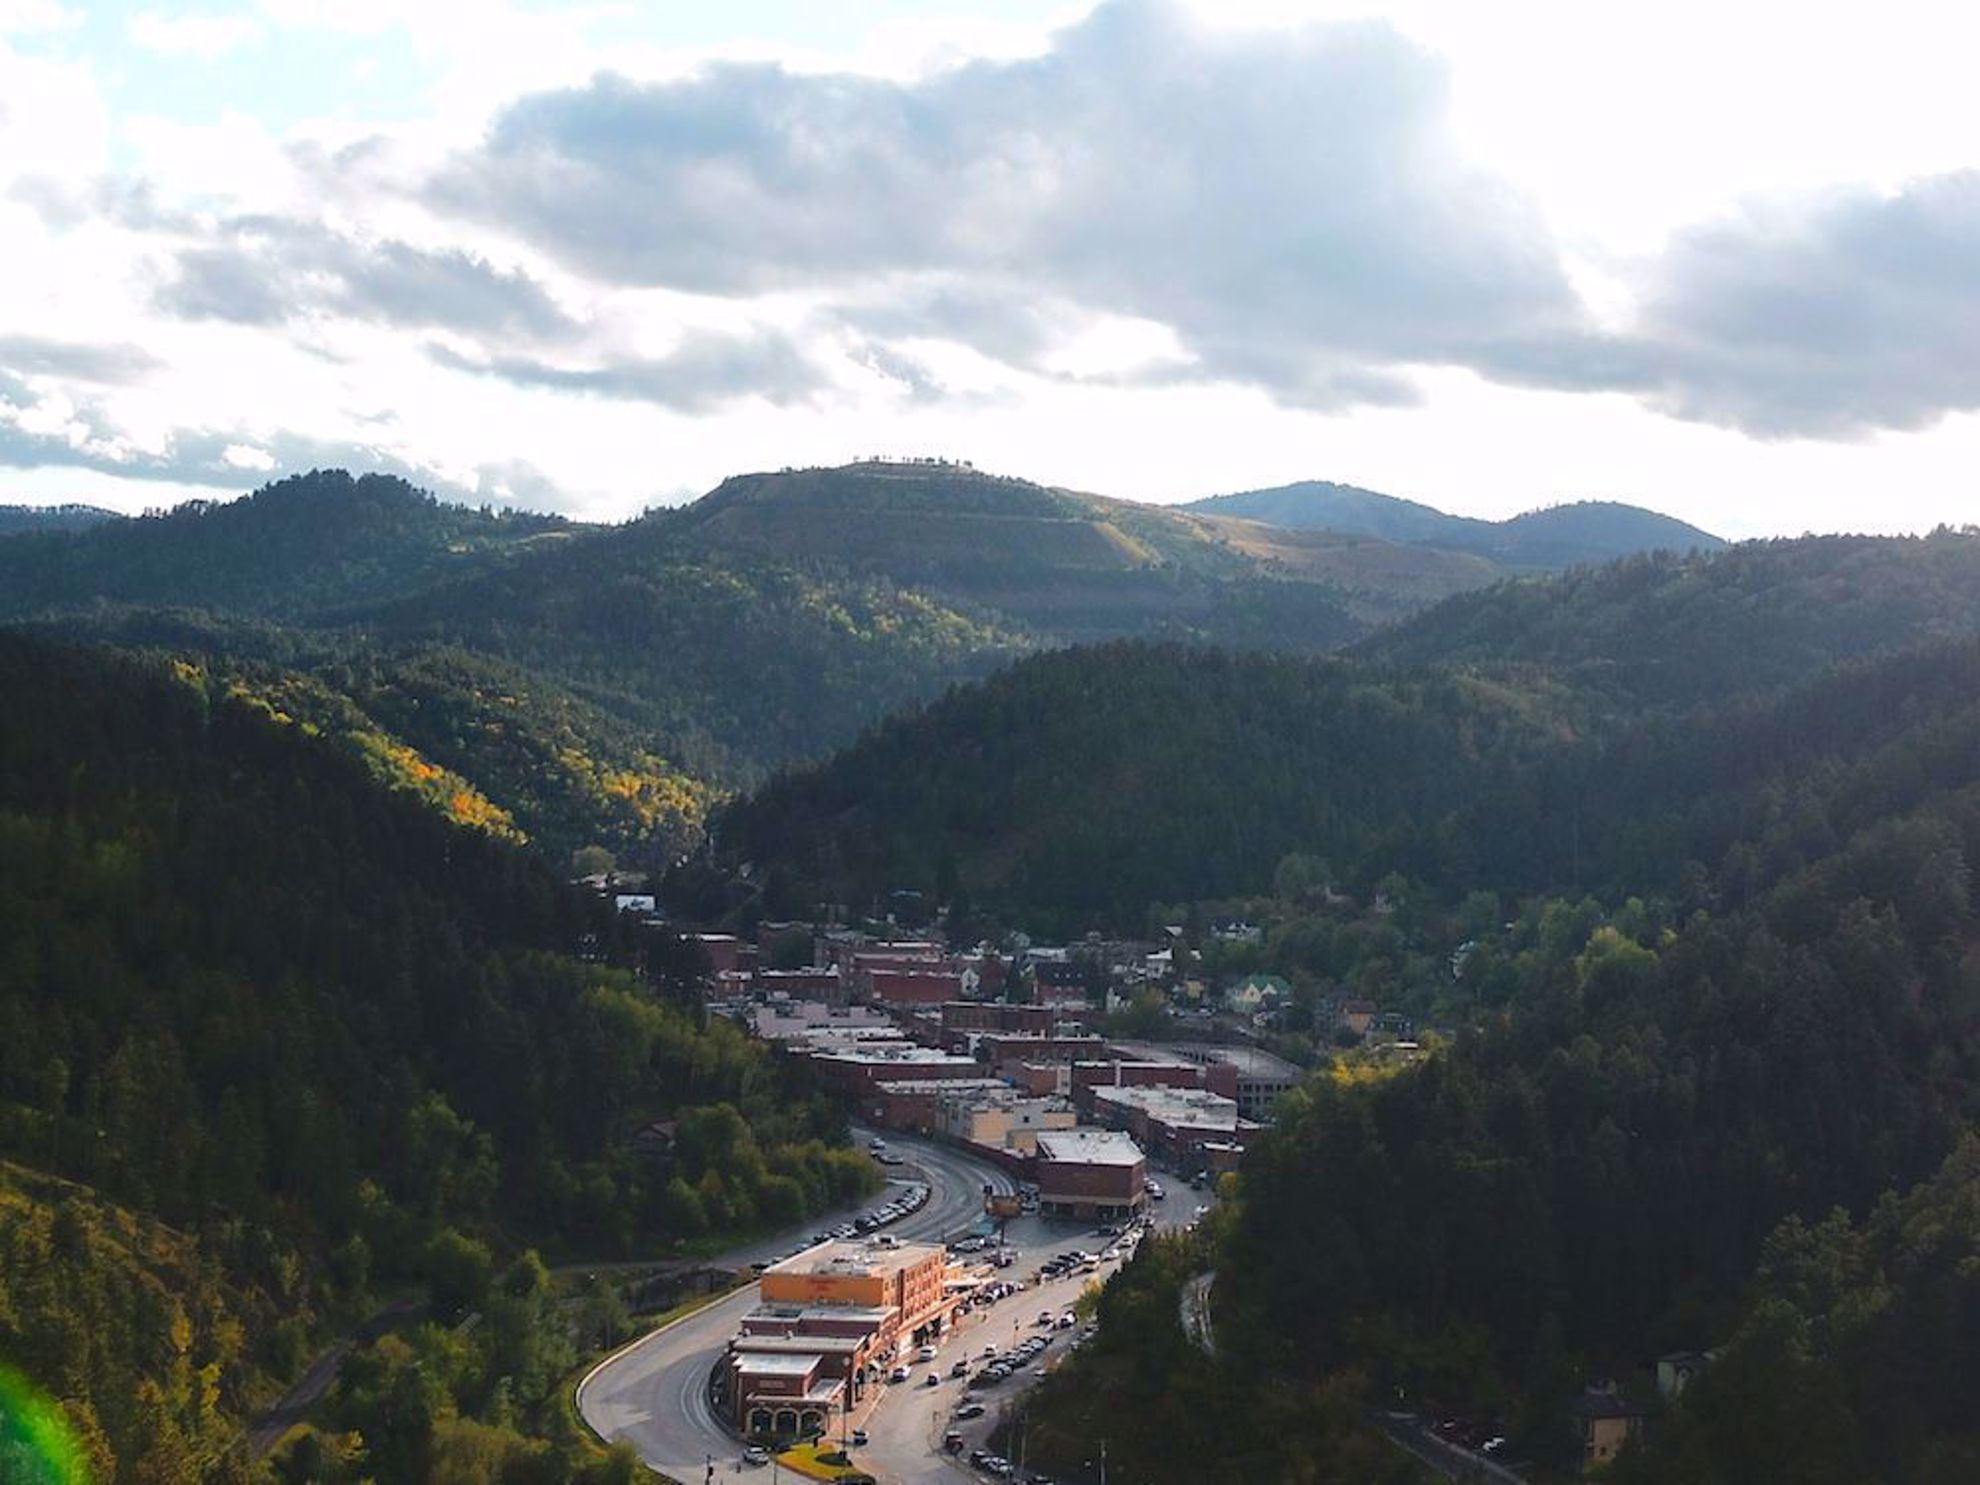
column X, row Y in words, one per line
column 653, row 1394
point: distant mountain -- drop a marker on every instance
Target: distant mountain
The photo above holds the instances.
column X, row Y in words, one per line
column 302, row 545
column 1592, row 532
column 1074, row 566
column 16, row 519
column 573, row 683
column 1561, row 536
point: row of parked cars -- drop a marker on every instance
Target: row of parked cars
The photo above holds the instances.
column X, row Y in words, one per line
column 1000, row 1367
column 913, row 1198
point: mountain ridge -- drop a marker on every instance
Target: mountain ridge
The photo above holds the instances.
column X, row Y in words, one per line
column 1548, row 538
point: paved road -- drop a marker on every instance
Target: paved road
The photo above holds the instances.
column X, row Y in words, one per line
column 1196, row 1312
column 654, row 1394
column 294, row 1405
column 906, row 1424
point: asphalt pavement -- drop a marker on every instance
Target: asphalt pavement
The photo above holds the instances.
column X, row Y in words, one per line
column 653, row 1394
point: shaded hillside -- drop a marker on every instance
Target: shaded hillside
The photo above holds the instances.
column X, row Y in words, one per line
column 1657, row 1096
column 18, row 519
column 1079, row 786
column 730, row 664
column 296, row 547
column 250, row 993
column 1592, row 531
column 1560, row 536
column 1668, row 630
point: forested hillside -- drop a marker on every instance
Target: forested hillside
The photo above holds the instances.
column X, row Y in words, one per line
column 16, row 520
column 589, row 685
column 301, row 545
column 1588, row 1178
column 1694, row 980
column 1678, row 631
column 334, row 1041
column 1076, row 788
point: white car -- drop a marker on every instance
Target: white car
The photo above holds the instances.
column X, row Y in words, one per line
column 926, row 1353
column 756, row 1457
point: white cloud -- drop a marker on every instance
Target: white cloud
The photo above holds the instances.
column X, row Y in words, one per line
column 34, row 17
column 1135, row 255
column 205, row 37
column 247, row 456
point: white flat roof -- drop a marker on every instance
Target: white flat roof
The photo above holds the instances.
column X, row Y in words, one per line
column 1192, row 1107
column 759, row 1364
column 1088, row 1147
column 857, row 1258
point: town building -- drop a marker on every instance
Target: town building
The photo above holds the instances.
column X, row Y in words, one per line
column 853, row 1070
column 1216, row 1077
column 1002, row 1119
column 911, row 984
column 903, row 1284
column 1606, row 1420
column 1262, row 1079
column 1093, row 1174
column 1174, row 1123
column 915, row 1106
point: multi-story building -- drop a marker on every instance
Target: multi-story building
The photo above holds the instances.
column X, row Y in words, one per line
column 1090, row 1174
column 1261, row 1078
column 1174, row 1123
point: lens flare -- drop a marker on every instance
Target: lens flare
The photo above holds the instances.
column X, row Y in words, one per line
column 37, row 1446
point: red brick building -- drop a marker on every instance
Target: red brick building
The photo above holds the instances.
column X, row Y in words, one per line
column 1090, row 1174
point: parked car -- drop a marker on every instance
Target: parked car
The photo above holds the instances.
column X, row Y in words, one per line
column 898, row 1374
column 926, row 1353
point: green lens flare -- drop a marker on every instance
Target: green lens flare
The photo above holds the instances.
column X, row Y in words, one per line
column 37, row 1446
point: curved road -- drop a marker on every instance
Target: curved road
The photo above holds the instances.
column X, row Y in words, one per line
column 654, row 1393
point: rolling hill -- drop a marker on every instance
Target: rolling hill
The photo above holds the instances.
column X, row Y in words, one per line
column 577, row 684
column 296, row 548
column 1073, row 566
column 1559, row 536
column 1666, row 630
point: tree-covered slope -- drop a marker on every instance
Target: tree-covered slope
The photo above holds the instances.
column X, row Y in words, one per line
column 1588, row 1179
column 1073, row 567
column 250, row 993
column 731, row 664
column 1081, row 785
column 584, row 685
column 1668, row 630
column 301, row 545
column 15, row 520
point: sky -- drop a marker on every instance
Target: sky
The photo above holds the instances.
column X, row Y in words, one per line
column 1721, row 261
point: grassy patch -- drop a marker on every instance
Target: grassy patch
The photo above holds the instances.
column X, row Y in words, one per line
column 818, row 1462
